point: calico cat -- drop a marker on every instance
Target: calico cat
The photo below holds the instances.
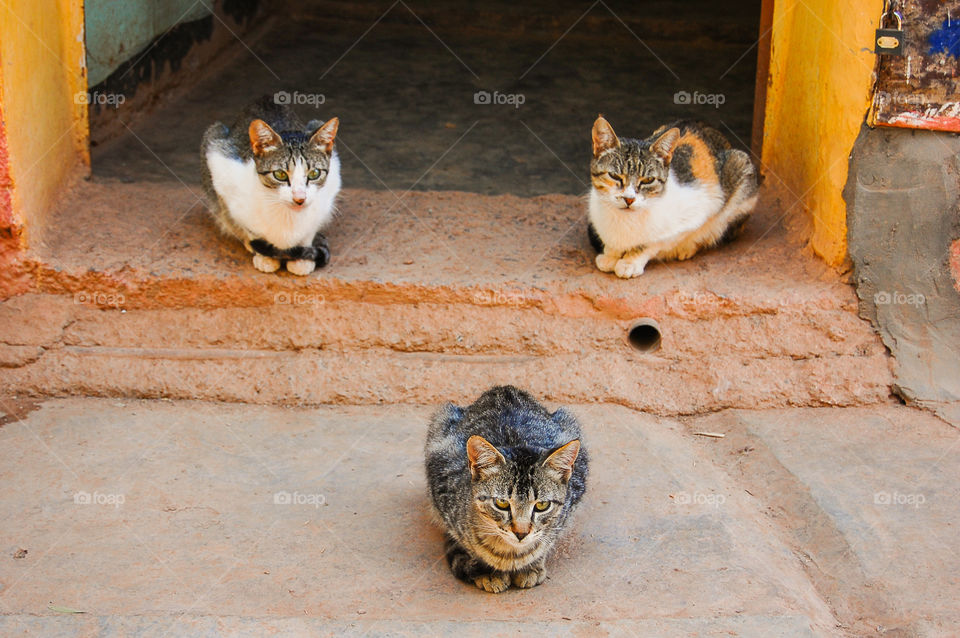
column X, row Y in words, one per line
column 504, row 475
column 272, row 183
column 665, row 197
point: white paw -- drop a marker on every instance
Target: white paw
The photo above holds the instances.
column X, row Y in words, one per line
column 493, row 583
column 605, row 262
column 627, row 268
column 301, row 266
column 265, row 264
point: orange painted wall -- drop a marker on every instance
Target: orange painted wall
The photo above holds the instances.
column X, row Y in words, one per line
column 42, row 81
column 819, row 87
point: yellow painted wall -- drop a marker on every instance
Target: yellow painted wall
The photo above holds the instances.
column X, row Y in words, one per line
column 43, row 70
column 818, row 92
column 819, row 89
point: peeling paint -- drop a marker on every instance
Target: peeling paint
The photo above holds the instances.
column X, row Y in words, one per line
column 946, row 39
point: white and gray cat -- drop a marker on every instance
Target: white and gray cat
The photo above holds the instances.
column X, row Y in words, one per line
column 665, row 197
column 272, row 183
column 504, row 475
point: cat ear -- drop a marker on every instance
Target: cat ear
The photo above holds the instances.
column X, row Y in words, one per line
column 263, row 139
column 323, row 138
column 562, row 459
column 485, row 459
column 604, row 138
column 664, row 145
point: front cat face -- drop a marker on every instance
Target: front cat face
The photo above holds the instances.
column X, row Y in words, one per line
column 627, row 173
column 292, row 165
column 519, row 499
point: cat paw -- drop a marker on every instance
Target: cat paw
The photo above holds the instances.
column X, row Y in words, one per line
column 606, row 263
column 265, row 264
column 627, row 268
column 301, row 266
column 530, row 578
column 493, row 583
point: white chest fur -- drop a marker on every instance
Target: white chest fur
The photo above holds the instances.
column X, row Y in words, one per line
column 681, row 209
column 262, row 212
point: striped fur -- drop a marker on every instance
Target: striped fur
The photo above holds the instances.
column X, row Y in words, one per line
column 504, row 475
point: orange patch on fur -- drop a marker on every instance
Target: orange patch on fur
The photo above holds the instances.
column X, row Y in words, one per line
column 603, row 183
column 701, row 160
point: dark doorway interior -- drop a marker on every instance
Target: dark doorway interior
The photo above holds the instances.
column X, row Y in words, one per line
column 428, row 93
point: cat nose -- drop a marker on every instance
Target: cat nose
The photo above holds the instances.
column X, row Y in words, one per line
column 629, row 200
column 298, row 200
column 520, row 531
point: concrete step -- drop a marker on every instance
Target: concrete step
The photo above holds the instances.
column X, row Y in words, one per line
column 200, row 544
column 799, row 522
column 440, row 299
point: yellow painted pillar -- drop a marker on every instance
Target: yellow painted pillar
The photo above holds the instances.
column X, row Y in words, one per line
column 819, row 87
column 42, row 99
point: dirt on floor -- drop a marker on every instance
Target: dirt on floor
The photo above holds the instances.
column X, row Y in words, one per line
column 445, row 96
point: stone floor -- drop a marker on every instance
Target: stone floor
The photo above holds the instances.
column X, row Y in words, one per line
column 162, row 518
column 403, row 77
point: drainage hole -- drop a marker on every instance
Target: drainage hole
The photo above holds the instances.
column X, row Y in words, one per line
column 644, row 336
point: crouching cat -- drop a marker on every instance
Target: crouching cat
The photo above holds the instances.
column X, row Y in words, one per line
column 666, row 197
column 272, row 182
column 504, row 475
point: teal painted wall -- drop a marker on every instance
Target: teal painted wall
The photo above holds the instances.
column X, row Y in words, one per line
column 117, row 30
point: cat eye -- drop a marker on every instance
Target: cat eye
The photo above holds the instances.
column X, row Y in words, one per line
column 501, row 503
column 281, row 176
column 647, row 180
column 541, row 506
column 314, row 174
column 617, row 180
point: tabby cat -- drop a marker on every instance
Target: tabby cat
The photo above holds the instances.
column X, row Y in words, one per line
column 504, row 475
column 666, row 197
column 272, row 182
